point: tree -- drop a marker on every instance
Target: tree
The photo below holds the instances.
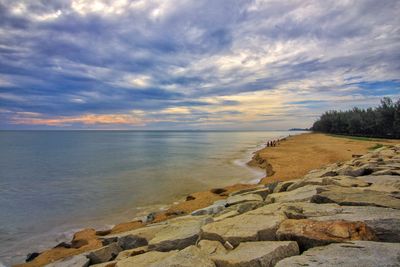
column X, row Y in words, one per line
column 382, row 121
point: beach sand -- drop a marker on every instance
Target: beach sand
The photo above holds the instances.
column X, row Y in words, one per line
column 291, row 159
column 297, row 155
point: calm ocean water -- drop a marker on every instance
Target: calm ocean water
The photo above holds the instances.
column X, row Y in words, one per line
column 53, row 183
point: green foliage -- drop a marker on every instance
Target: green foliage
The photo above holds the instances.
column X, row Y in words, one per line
column 382, row 121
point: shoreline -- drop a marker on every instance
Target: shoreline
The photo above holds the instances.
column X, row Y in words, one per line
column 192, row 202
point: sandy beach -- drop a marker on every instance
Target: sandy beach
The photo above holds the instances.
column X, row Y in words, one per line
column 290, row 159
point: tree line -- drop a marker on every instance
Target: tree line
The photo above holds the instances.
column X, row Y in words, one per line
column 382, row 121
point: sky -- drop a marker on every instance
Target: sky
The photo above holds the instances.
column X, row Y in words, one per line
column 201, row 65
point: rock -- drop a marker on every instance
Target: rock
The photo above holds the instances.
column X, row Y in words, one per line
column 283, row 186
column 386, row 183
column 247, row 206
column 73, row 261
column 212, row 248
column 144, row 260
column 344, row 181
column 263, row 192
column 180, row 233
column 356, row 253
column 249, row 254
column 225, row 215
column 210, row 210
column 244, row 227
column 304, row 193
column 104, row 254
column 243, row 198
column 351, row 171
column 132, row 252
column 310, row 233
column 188, row 257
column 31, row 256
column 105, row 264
column 387, row 172
column 246, row 190
column 131, row 241
column 383, row 221
column 148, row 232
column 355, row 197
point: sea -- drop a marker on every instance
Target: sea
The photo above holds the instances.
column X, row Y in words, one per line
column 54, row 183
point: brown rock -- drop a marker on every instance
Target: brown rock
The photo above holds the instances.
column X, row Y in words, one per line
column 311, row 233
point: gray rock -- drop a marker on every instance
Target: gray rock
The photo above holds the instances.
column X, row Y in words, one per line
column 131, row 241
column 383, row 221
column 355, row 197
column 73, row 261
column 210, row 210
column 355, row 253
column 249, row 254
column 226, row 215
column 104, row 254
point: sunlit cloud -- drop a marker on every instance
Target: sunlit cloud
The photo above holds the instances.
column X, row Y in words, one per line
column 88, row 119
column 193, row 64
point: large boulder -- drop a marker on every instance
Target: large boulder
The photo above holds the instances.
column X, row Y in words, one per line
column 350, row 254
column 383, row 221
column 132, row 252
column 245, row 227
column 310, row 233
column 249, row 254
column 304, row 193
column 180, row 233
column 355, row 197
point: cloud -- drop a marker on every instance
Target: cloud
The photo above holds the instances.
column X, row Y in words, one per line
column 215, row 63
